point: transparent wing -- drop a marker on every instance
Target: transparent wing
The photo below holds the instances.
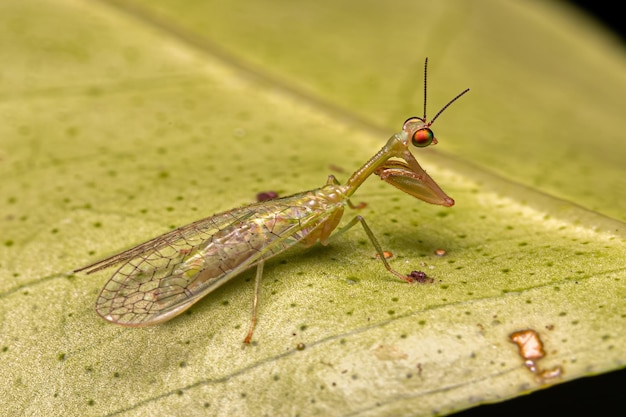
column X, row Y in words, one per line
column 164, row 276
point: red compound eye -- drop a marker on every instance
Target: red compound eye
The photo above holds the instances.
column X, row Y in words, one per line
column 423, row 137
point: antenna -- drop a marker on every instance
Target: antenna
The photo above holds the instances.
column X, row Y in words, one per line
column 448, row 105
column 425, row 86
column 423, row 119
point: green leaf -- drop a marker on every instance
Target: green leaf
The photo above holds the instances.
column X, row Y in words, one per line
column 120, row 120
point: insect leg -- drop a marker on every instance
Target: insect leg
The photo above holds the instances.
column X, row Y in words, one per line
column 359, row 206
column 372, row 238
column 333, row 180
column 255, row 300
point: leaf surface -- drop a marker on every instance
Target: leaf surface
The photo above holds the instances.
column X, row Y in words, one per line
column 136, row 117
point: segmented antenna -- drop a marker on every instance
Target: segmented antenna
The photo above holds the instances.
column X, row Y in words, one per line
column 423, row 119
column 444, row 107
column 425, row 84
column 448, row 105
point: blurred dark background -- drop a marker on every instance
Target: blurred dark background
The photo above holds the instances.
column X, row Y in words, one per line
column 606, row 13
column 597, row 395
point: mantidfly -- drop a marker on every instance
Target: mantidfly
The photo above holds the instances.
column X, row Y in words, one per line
column 163, row 277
